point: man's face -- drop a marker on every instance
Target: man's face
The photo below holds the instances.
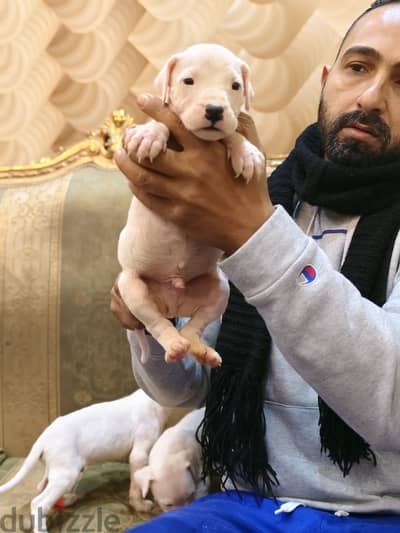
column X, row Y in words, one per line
column 359, row 111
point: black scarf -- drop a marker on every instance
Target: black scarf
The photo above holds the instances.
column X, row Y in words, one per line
column 234, row 426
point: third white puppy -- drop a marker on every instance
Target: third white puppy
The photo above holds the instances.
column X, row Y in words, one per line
column 174, row 471
column 164, row 273
column 119, row 430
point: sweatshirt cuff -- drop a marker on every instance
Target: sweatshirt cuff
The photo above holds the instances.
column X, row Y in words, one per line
column 270, row 253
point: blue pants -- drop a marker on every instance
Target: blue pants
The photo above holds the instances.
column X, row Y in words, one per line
column 227, row 512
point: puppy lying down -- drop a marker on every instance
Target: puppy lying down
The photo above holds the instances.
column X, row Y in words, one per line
column 173, row 474
column 119, row 430
column 164, row 273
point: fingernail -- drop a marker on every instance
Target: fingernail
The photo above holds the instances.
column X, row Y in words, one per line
column 143, row 99
column 118, row 153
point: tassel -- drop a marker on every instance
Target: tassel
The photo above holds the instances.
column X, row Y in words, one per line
column 232, row 433
column 235, row 450
column 342, row 444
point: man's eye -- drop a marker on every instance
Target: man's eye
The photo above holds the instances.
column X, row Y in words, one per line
column 235, row 85
column 188, row 81
column 357, row 67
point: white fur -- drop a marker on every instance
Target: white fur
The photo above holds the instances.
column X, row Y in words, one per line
column 174, row 470
column 165, row 274
column 119, row 430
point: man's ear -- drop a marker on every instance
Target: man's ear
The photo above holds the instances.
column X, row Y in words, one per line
column 163, row 79
column 142, row 478
column 247, row 86
column 325, row 73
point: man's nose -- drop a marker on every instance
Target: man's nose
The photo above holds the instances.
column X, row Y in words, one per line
column 214, row 112
column 373, row 97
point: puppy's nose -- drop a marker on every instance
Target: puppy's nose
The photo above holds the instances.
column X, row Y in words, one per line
column 214, row 112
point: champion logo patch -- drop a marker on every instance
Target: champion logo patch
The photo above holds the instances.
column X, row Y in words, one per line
column 307, row 275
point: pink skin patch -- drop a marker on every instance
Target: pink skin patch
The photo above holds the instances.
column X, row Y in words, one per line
column 60, row 504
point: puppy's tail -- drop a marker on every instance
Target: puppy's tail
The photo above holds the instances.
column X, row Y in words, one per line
column 143, row 345
column 32, row 458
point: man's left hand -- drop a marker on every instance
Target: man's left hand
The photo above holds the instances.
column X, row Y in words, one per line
column 195, row 188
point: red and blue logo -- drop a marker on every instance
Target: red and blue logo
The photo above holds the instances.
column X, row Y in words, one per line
column 307, row 275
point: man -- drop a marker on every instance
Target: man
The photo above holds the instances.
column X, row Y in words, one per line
column 303, row 414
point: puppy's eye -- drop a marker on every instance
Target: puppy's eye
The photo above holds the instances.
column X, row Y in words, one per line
column 188, row 81
column 235, row 85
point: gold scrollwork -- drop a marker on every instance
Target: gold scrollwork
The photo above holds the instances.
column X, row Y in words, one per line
column 99, row 148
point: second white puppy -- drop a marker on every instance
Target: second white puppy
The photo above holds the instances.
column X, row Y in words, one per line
column 175, row 465
column 119, row 430
column 164, row 273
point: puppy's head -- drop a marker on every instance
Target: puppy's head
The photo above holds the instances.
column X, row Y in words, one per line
column 172, row 486
column 206, row 85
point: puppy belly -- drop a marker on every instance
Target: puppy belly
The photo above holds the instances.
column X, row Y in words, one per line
column 155, row 249
column 185, row 302
column 171, row 301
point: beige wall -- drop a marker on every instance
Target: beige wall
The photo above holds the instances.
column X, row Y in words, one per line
column 65, row 64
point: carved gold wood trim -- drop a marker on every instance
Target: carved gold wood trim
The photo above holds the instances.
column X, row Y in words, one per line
column 97, row 148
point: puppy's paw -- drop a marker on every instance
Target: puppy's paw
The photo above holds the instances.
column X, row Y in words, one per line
column 247, row 160
column 141, row 505
column 204, row 354
column 207, row 356
column 176, row 349
column 146, row 140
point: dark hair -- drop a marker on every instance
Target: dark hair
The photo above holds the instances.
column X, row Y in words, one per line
column 374, row 5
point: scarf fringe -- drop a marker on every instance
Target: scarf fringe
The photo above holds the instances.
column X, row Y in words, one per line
column 340, row 443
column 226, row 445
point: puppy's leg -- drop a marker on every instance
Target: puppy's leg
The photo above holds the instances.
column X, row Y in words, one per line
column 146, row 140
column 211, row 293
column 137, row 297
column 138, row 458
column 43, row 482
column 60, row 481
column 247, row 160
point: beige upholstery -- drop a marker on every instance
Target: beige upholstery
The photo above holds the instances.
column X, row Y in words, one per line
column 60, row 346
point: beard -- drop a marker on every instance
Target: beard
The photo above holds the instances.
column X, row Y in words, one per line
column 354, row 152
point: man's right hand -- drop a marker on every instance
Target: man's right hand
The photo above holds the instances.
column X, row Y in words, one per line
column 121, row 311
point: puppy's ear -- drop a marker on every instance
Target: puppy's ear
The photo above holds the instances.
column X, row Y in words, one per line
column 247, row 86
column 142, row 478
column 194, row 468
column 163, row 79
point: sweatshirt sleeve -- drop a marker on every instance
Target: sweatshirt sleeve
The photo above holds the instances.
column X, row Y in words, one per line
column 180, row 384
column 344, row 346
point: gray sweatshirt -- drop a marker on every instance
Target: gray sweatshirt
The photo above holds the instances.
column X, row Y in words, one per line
column 327, row 340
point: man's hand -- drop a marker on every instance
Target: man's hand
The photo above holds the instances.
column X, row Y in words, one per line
column 120, row 310
column 195, row 188
column 248, row 129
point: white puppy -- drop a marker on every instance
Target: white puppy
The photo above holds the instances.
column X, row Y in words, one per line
column 119, row 430
column 165, row 274
column 174, row 471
